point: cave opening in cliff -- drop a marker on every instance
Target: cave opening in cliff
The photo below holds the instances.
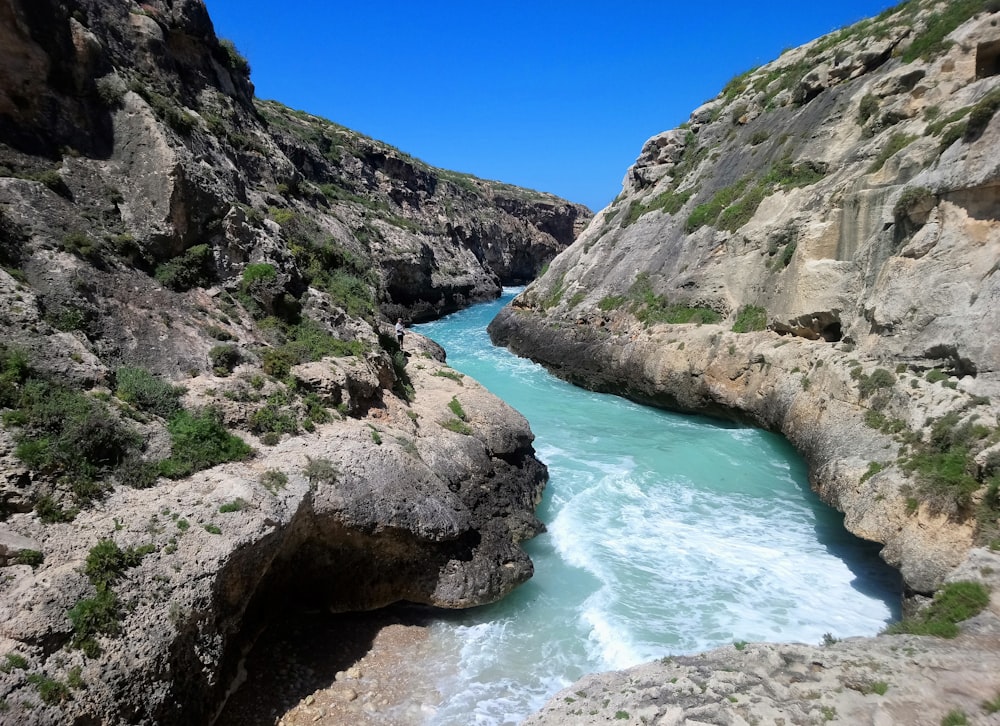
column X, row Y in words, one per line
column 988, row 59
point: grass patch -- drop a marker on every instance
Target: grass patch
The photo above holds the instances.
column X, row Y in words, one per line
column 896, row 143
column 146, row 392
column 457, row 426
column 932, row 40
column 273, row 480
column 750, row 318
column 450, row 374
column 199, row 441
column 456, row 408
column 954, row 603
column 237, row 505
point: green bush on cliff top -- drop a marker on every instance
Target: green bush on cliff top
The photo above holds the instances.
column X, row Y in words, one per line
column 954, row 603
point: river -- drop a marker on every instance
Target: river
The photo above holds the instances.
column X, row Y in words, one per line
column 667, row 534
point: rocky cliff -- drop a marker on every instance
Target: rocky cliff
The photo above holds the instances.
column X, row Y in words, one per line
column 816, row 251
column 205, row 414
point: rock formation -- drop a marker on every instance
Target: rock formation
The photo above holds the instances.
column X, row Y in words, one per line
column 815, row 251
column 205, row 414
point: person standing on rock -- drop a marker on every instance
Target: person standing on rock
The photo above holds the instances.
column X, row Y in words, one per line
column 399, row 332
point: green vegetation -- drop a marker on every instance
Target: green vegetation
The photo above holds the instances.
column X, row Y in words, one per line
column 668, row 202
column 867, row 108
column 874, row 467
column 456, row 408
column 611, row 302
column 234, row 59
column 198, row 441
column 932, row 40
column 750, row 318
column 457, row 426
column 224, row 358
column 555, row 293
column 449, row 373
column 237, row 505
column 101, row 615
column 955, row 717
column 14, row 661
column 733, row 206
column 896, row 143
column 273, row 480
column 66, row 434
column 954, row 603
column 992, row 706
column 146, row 392
column 320, row 471
column 301, row 342
column 212, row 528
column 911, row 197
column 276, row 416
column 193, row 268
column 879, row 378
column 943, row 465
column 348, row 278
column 32, row 558
column 650, row 308
column 49, row 689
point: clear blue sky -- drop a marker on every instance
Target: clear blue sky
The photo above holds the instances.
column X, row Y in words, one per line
column 548, row 94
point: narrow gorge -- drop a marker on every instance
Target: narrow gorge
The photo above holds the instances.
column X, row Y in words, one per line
column 206, row 417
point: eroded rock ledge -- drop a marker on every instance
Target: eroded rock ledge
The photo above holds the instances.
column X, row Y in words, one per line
column 415, row 512
column 888, row 680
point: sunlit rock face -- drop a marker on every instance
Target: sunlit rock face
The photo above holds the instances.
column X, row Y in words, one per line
column 815, row 251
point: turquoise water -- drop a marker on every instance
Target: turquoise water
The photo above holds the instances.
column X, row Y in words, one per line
column 667, row 534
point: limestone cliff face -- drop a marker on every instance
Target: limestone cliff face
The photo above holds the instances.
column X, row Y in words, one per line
column 844, row 201
column 816, row 251
column 204, row 413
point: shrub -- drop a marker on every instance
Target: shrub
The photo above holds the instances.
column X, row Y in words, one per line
column 611, row 302
column 879, row 378
column 981, row 114
column 867, row 108
column 750, row 318
column 93, row 616
column 49, row 511
column 272, row 416
column 194, row 268
column 224, row 358
column 910, row 198
column 29, row 557
column 320, row 471
column 234, row 59
column 49, row 689
column 273, row 480
column 14, row 371
column 448, row 373
column 954, row 603
column 874, row 467
column 146, row 392
column 69, row 433
column 198, row 441
column 107, row 562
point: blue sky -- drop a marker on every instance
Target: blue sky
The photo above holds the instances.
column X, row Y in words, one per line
column 549, row 94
